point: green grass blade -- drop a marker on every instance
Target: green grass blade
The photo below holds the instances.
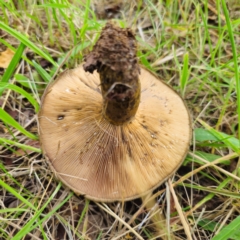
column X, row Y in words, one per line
column 53, row 211
column 85, row 20
column 5, row 117
column 184, row 74
column 83, row 213
column 222, row 192
column 16, row 194
column 15, row 88
column 229, row 231
column 235, row 59
column 23, row 80
column 8, row 45
column 12, row 210
column 26, row 42
column 20, row 145
column 17, row 184
column 13, row 64
column 54, row 5
column 29, row 226
column 46, row 77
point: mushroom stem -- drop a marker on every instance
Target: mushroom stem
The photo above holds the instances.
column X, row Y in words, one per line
column 120, row 100
column 114, row 57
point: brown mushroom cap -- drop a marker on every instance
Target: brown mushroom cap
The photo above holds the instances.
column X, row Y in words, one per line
column 106, row 162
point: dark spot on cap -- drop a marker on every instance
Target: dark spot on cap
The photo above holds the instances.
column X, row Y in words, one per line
column 144, row 126
column 60, row 117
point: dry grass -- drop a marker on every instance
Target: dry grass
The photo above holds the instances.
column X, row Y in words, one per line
column 203, row 196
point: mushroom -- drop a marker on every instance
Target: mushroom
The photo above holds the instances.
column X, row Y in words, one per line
column 116, row 133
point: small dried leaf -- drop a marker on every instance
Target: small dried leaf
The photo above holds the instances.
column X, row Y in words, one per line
column 7, row 161
column 6, row 57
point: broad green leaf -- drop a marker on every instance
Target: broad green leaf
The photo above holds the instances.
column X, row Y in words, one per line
column 209, row 157
column 208, row 224
column 202, row 135
column 211, row 134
